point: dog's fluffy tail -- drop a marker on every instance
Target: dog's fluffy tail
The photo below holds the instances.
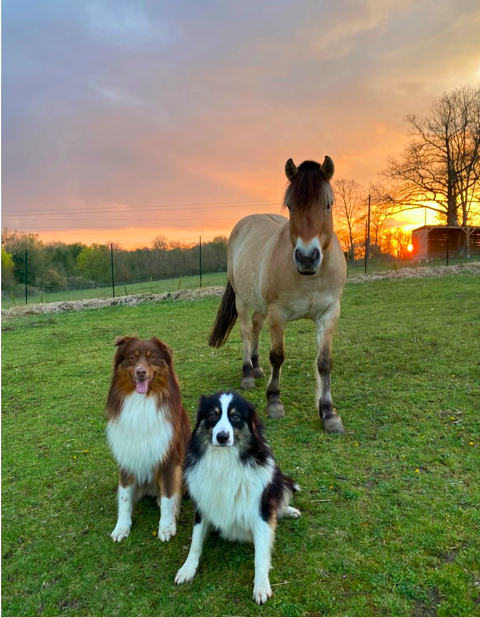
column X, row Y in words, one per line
column 226, row 318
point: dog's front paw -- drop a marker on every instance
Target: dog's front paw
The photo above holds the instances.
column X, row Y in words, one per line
column 262, row 591
column 293, row 512
column 166, row 532
column 120, row 533
column 185, row 574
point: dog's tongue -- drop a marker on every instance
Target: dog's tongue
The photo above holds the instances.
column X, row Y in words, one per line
column 142, row 386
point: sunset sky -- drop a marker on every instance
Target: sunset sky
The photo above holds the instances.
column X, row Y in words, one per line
column 124, row 120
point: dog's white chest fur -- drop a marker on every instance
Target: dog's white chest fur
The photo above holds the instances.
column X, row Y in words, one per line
column 227, row 492
column 140, row 436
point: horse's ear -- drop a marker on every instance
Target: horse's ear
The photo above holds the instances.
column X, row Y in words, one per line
column 328, row 168
column 290, row 169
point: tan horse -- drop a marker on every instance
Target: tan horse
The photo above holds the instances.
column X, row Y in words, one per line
column 285, row 270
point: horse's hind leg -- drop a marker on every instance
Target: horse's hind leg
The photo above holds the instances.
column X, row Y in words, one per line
column 277, row 356
column 326, row 324
column 248, row 380
column 257, row 324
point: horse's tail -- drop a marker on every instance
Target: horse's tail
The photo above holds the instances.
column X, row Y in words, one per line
column 226, row 318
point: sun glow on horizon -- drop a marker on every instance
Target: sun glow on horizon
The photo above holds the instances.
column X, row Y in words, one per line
column 130, row 237
column 135, row 237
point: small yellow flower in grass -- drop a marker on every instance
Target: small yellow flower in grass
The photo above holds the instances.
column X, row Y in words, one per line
column 453, row 375
column 331, row 486
column 417, row 470
column 453, row 417
column 86, row 451
column 471, row 443
column 154, row 533
column 74, row 457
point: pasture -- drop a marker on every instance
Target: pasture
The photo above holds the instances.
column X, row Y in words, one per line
column 390, row 511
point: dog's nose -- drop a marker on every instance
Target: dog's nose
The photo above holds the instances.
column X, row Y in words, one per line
column 223, row 437
column 140, row 372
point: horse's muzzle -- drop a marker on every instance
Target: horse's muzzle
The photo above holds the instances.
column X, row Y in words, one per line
column 307, row 263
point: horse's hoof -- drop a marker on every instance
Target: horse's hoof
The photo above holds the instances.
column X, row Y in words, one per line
column 247, row 383
column 275, row 410
column 333, row 424
column 258, row 373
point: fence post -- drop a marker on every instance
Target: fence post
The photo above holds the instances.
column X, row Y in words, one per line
column 113, row 277
column 200, row 260
column 367, row 239
column 26, row 277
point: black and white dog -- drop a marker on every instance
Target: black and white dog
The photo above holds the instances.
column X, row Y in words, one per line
column 235, row 484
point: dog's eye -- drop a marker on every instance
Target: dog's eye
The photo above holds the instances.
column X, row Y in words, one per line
column 212, row 415
column 235, row 417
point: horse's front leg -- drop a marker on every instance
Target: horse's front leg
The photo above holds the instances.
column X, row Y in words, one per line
column 326, row 324
column 257, row 324
column 248, row 380
column 276, row 323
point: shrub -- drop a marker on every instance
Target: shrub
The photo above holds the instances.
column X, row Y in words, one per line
column 52, row 280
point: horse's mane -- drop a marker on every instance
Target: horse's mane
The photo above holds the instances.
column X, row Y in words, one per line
column 307, row 188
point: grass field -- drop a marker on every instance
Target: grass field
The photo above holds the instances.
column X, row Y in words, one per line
column 390, row 523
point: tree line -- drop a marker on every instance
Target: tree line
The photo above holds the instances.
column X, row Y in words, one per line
column 56, row 265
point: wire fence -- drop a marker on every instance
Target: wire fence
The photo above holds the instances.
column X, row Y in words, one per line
column 41, row 275
column 103, row 271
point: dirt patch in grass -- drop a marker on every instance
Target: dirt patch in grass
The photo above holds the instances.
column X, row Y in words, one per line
column 430, row 607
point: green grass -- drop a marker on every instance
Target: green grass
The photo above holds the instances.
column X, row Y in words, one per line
column 390, row 517
column 156, row 287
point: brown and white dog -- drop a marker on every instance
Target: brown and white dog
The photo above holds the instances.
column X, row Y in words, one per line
column 148, row 431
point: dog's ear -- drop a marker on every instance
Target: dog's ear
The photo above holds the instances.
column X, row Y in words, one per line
column 164, row 348
column 255, row 422
column 201, row 407
column 121, row 342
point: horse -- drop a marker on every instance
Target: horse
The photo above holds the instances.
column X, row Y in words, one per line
column 287, row 269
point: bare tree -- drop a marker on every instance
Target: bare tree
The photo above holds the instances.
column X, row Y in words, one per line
column 440, row 167
column 349, row 210
column 379, row 217
column 401, row 239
